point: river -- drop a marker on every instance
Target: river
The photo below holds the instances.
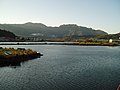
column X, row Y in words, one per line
column 64, row 67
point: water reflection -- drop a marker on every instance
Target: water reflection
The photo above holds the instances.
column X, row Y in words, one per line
column 15, row 62
column 65, row 68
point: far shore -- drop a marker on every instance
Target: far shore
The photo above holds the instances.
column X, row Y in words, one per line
column 61, row 43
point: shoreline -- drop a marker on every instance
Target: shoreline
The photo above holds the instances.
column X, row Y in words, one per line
column 12, row 56
column 60, row 43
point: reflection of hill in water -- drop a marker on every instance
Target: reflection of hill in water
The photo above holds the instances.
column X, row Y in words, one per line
column 15, row 62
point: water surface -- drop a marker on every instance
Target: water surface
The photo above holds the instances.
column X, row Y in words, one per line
column 65, row 68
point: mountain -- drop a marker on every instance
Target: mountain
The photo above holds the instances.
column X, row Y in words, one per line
column 4, row 33
column 40, row 30
column 7, row 35
column 110, row 36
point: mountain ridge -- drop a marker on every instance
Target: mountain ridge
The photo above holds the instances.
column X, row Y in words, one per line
column 30, row 29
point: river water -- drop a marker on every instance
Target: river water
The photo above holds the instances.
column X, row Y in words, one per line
column 64, row 67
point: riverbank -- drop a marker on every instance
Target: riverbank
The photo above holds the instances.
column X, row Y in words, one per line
column 63, row 43
column 12, row 56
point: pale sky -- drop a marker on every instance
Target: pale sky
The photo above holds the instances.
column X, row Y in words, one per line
column 97, row 14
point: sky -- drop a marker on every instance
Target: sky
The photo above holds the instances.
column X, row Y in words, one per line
column 96, row 14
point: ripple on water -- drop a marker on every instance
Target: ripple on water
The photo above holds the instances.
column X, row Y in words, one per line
column 65, row 68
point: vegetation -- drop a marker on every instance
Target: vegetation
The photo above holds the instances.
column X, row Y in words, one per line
column 93, row 42
column 13, row 57
column 11, row 52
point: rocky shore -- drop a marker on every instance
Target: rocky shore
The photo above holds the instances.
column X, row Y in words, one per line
column 11, row 56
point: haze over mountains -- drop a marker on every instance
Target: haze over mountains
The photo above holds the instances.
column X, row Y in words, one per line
column 40, row 30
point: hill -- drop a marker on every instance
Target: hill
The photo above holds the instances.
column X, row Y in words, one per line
column 6, row 35
column 110, row 36
column 40, row 30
